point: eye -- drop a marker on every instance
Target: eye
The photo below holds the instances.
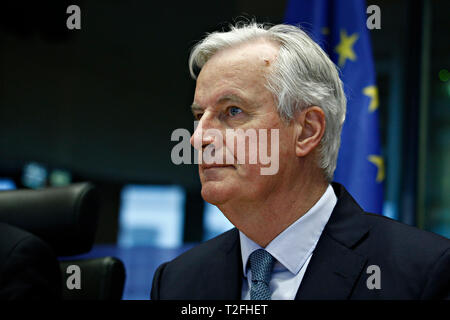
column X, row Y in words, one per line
column 233, row 111
column 198, row 116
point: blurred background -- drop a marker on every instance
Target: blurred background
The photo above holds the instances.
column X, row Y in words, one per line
column 99, row 104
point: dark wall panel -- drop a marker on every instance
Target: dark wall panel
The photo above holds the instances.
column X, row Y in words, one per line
column 101, row 101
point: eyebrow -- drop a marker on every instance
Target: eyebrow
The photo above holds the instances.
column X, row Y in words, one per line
column 225, row 98
column 230, row 98
column 195, row 107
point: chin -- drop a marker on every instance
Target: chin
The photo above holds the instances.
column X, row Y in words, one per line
column 216, row 193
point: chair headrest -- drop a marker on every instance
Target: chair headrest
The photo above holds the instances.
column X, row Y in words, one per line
column 65, row 217
column 101, row 279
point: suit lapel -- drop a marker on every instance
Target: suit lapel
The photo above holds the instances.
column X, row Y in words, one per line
column 224, row 273
column 331, row 273
column 335, row 267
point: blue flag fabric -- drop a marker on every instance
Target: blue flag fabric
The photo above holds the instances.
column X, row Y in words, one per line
column 339, row 26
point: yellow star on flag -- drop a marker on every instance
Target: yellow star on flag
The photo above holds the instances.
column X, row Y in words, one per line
column 345, row 47
column 372, row 93
column 379, row 163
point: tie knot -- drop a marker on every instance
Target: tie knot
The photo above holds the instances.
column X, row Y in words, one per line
column 261, row 264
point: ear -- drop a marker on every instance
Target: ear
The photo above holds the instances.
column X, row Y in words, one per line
column 311, row 127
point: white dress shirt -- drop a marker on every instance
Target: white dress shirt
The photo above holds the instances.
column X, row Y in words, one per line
column 292, row 249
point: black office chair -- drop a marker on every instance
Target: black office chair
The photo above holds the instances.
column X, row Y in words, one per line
column 66, row 218
column 101, row 279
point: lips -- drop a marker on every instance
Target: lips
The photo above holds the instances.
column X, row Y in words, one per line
column 214, row 165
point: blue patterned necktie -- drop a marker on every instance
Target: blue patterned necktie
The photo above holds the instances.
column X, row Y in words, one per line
column 261, row 264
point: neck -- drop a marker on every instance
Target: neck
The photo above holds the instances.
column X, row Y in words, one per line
column 265, row 218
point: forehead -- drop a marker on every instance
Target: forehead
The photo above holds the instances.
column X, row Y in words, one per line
column 255, row 53
column 242, row 68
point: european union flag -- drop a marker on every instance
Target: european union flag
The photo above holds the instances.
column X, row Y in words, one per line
column 339, row 26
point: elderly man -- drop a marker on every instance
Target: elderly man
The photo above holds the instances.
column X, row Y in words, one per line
column 297, row 235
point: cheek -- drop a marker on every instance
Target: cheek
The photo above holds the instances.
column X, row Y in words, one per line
column 253, row 185
column 250, row 172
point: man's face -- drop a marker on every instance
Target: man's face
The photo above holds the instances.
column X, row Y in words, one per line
column 231, row 94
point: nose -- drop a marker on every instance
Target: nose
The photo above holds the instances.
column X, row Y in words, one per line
column 200, row 139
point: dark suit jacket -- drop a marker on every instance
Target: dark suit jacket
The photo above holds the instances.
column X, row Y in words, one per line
column 413, row 264
column 29, row 270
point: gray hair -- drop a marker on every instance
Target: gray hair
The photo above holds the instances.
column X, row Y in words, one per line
column 302, row 76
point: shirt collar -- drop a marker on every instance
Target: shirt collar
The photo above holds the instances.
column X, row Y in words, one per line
column 293, row 246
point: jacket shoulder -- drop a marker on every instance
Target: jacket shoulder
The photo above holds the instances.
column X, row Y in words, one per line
column 189, row 275
column 414, row 263
column 393, row 232
column 11, row 237
column 29, row 268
